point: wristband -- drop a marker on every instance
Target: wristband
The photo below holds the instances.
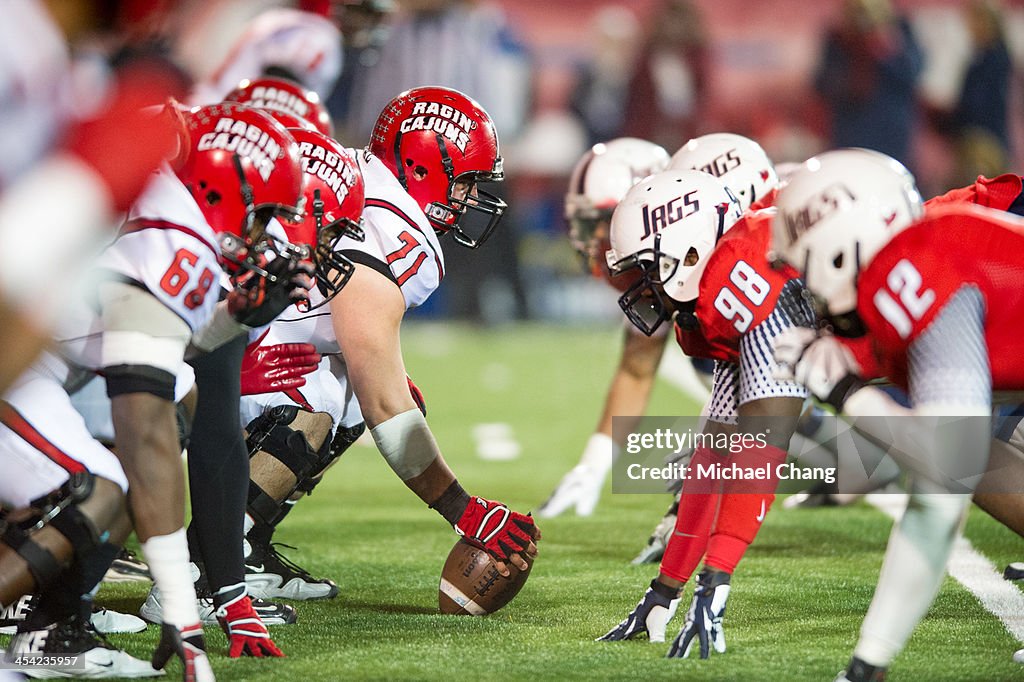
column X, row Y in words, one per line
column 452, row 503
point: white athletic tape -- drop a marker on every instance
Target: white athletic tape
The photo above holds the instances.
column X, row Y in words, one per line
column 407, row 444
column 456, row 595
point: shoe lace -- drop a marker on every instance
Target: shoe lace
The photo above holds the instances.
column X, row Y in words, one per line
column 84, row 631
column 291, row 565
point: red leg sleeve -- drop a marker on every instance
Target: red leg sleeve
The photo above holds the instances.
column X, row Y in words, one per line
column 697, row 509
column 743, row 507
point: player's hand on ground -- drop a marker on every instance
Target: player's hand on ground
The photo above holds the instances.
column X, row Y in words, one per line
column 703, row 625
column 820, row 362
column 579, row 489
column 268, row 369
column 247, row 635
column 651, row 616
column 507, row 535
column 188, row 645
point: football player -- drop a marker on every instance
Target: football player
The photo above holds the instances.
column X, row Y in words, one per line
column 904, row 300
column 430, row 149
column 97, row 159
column 219, row 463
column 153, row 294
column 745, row 168
column 598, row 182
column 713, row 282
column 282, row 96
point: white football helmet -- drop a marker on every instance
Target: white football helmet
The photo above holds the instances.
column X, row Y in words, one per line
column 599, row 181
column 834, row 214
column 737, row 161
column 665, row 228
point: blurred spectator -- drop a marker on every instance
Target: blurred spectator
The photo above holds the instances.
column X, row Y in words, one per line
column 670, row 82
column 469, row 46
column 867, row 75
column 364, row 29
column 978, row 124
column 602, row 87
column 461, row 44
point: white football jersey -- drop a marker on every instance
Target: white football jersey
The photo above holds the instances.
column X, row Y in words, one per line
column 307, row 45
column 400, row 244
column 167, row 248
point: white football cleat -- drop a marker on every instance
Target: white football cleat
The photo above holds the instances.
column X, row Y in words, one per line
column 71, row 637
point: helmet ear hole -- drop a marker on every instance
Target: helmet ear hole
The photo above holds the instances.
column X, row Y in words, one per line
column 691, row 257
column 420, row 172
column 212, row 197
column 837, row 262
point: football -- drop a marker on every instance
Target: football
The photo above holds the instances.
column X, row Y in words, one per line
column 471, row 585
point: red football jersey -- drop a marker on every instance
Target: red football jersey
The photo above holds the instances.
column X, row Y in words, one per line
column 738, row 290
column 910, row 280
column 998, row 193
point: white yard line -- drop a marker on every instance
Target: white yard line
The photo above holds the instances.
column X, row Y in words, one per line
column 974, row 571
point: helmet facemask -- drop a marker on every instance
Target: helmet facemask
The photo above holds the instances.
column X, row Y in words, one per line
column 246, row 251
column 333, row 270
column 464, row 194
column 646, row 302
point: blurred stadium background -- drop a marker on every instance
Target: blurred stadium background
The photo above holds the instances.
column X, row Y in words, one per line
column 559, row 76
column 514, row 389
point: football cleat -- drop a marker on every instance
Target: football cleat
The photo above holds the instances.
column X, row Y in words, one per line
column 109, row 622
column 127, row 568
column 580, row 490
column 72, row 637
column 1014, row 571
column 271, row 613
column 103, row 620
column 268, row 575
column 656, row 544
column 859, row 671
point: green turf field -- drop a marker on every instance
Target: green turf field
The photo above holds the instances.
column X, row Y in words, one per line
column 797, row 600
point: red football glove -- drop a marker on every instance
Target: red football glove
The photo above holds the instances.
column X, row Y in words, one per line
column 268, row 369
column 496, row 528
column 246, row 633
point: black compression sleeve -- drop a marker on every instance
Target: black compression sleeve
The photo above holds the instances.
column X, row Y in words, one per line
column 218, row 465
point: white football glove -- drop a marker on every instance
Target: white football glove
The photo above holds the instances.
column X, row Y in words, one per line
column 820, row 362
column 651, row 615
column 580, row 488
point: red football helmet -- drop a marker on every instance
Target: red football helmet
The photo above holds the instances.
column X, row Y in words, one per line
column 243, row 168
column 440, row 144
column 280, row 94
column 289, row 120
column 334, row 207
